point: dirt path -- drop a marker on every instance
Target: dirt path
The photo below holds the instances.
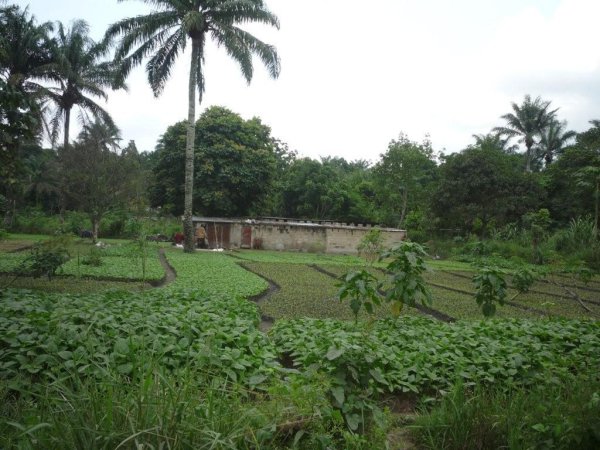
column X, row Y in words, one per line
column 170, row 273
column 266, row 322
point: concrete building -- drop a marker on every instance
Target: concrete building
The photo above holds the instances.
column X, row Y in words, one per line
column 273, row 233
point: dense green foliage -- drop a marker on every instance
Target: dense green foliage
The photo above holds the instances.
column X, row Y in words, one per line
column 422, row 355
column 52, row 334
column 234, row 165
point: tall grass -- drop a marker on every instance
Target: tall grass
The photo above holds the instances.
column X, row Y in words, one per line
column 557, row 417
column 156, row 409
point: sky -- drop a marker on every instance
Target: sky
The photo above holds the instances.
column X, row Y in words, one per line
column 356, row 74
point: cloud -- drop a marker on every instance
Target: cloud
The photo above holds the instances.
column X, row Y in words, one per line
column 356, row 74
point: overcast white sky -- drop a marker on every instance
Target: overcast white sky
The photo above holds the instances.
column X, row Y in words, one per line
column 355, row 74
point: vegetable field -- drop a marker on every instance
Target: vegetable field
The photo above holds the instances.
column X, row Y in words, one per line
column 317, row 379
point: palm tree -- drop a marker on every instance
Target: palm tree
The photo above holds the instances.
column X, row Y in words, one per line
column 553, row 140
column 25, row 47
column 527, row 121
column 80, row 74
column 103, row 135
column 494, row 141
column 163, row 34
column 25, row 59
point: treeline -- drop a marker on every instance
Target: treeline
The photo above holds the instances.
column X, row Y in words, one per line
column 240, row 169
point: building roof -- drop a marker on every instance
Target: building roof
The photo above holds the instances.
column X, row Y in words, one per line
column 281, row 221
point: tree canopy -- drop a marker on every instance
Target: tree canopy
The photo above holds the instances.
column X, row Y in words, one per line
column 234, row 160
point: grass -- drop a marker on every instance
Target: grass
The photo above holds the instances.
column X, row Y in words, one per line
column 563, row 416
column 158, row 410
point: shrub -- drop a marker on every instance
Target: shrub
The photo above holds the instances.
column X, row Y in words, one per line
column 46, row 258
column 371, row 245
column 93, row 258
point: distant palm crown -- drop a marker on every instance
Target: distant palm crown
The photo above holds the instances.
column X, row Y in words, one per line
column 162, row 35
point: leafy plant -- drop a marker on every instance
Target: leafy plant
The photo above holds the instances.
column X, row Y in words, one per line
column 371, row 245
column 93, row 258
column 405, row 266
column 45, row 258
column 361, row 288
column 405, row 283
column 490, row 286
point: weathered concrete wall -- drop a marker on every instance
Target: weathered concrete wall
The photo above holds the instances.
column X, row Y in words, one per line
column 346, row 240
column 304, row 236
column 289, row 237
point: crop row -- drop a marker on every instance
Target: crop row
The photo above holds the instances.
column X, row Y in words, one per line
column 9, row 262
column 213, row 273
column 541, row 297
column 423, row 355
column 114, row 267
column 304, row 292
column 266, row 256
column 51, row 334
column 115, row 262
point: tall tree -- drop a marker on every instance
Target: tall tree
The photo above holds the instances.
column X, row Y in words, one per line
column 81, row 74
column 25, row 57
column 96, row 178
column 485, row 186
column 235, row 165
column 404, row 179
column 494, row 141
column 554, row 138
column 163, row 34
column 25, row 49
column 527, row 122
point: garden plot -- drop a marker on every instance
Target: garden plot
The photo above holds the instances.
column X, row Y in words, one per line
column 9, row 262
column 213, row 273
column 304, row 292
column 540, row 297
column 422, row 355
column 50, row 335
column 446, row 298
column 298, row 258
column 117, row 267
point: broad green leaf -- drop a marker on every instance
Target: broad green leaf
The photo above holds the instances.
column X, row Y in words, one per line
column 334, row 352
column 338, row 394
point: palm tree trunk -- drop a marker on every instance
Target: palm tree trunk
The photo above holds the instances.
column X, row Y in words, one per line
column 67, row 123
column 188, row 226
column 62, row 197
column 597, row 195
column 528, row 158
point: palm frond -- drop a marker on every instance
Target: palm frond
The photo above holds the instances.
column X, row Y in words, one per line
column 241, row 45
column 160, row 65
column 243, row 11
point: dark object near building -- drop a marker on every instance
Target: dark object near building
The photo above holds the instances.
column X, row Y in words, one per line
column 178, row 238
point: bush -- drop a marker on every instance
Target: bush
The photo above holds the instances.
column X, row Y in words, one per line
column 93, row 258
column 371, row 245
column 46, row 258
